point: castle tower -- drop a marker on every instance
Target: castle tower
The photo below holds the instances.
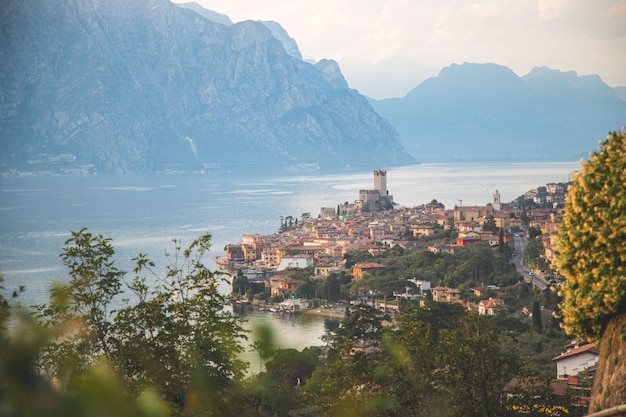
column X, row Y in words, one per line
column 380, row 182
column 496, row 201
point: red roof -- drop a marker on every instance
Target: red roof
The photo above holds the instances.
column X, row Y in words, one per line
column 589, row 347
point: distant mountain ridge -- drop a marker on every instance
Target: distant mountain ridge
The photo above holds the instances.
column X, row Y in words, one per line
column 126, row 86
column 474, row 112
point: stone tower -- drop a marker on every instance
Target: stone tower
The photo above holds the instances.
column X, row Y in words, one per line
column 496, row 201
column 380, row 182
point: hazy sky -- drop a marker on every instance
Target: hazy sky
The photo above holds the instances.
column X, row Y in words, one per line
column 385, row 48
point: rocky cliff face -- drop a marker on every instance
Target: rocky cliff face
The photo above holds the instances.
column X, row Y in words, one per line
column 144, row 85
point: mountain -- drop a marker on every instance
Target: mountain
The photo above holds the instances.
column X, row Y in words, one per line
column 216, row 17
column 127, row 86
column 473, row 112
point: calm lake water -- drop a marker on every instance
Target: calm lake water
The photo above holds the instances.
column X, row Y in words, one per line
column 142, row 214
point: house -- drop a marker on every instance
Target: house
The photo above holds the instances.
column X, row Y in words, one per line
column 491, row 306
column 502, row 221
column 365, row 268
column 234, row 253
column 423, row 230
column 249, row 252
column 465, row 241
column 577, row 358
column 472, row 213
column 295, row 262
column 283, row 286
column 323, row 269
column 421, row 284
column 479, row 291
column 442, row 248
column 445, row 294
column 470, row 226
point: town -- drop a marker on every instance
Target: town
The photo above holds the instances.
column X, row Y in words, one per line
column 375, row 224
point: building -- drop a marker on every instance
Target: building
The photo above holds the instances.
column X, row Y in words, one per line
column 497, row 205
column 446, row 295
column 472, row 213
column 577, row 358
column 285, row 287
column 490, row 307
column 365, row 268
column 378, row 198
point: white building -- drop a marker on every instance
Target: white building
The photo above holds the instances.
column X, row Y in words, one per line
column 295, row 262
column 576, row 359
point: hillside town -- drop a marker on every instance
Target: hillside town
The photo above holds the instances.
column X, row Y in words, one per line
column 376, row 224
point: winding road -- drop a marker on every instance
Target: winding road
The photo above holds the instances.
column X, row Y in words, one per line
column 518, row 260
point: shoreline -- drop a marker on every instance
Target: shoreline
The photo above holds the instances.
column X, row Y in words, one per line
column 327, row 312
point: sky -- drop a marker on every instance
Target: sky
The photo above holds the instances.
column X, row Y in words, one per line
column 386, row 48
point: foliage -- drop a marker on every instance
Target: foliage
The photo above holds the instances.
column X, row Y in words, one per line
column 79, row 313
column 469, row 267
column 592, row 255
column 182, row 324
column 533, row 254
column 477, row 368
column 437, row 360
column 240, row 283
column 288, row 223
column 177, row 339
column 292, row 367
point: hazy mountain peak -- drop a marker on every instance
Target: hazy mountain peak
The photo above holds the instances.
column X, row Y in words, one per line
column 215, row 17
column 332, row 73
column 127, row 86
column 568, row 83
column 475, row 71
column 473, row 112
column 281, row 34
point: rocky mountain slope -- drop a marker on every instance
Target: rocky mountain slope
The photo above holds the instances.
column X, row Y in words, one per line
column 125, row 86
column 474, row 112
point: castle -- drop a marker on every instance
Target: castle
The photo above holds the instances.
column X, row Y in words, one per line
column 369, row 200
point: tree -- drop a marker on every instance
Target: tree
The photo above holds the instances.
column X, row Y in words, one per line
column 477, row 368
column 592, row 257
column 175, row 339
column 537, row 323
column 178, row 337
column 349, row 383
column 240, row 283
column 333, row 288
column 80, row 311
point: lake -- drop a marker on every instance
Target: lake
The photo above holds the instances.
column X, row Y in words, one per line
column 142, row 214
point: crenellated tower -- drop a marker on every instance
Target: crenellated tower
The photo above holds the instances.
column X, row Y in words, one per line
column 380, row 182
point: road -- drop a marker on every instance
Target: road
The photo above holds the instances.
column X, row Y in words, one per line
column 518, row 260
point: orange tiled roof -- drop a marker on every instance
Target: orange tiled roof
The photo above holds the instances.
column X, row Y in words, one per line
column 589, row 347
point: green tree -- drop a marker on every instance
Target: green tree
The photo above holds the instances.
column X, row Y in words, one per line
column 409, row 362
column 333, row 288
column 175, row 339
column 240, row 283
column 178, row 337
column 292, row 367
column 476, row 368
column 349, row 385
column 592, row 257
column 80, row 311
column 537, row 323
